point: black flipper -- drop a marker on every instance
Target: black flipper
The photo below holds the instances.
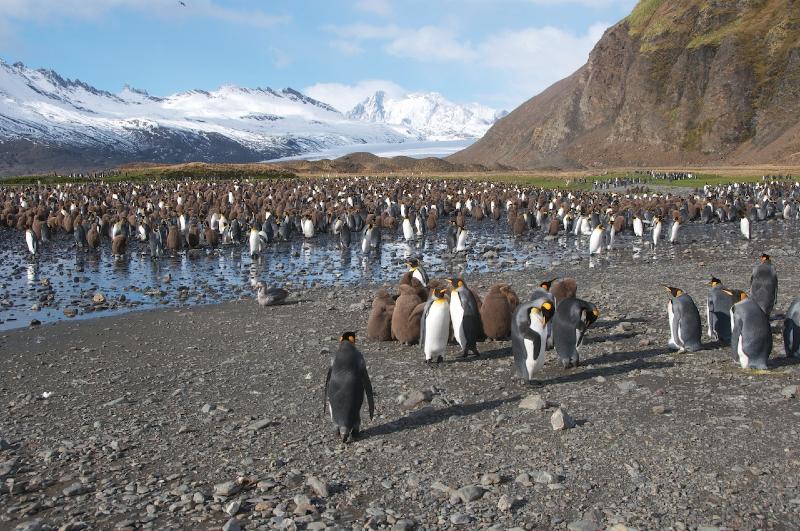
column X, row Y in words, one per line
column 537, row 341
column 368, row 391
column 325, row 395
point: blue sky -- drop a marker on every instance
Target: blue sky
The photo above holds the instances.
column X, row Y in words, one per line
column 495, row 52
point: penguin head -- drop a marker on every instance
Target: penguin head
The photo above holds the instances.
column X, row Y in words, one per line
column 546, row 284
column 737, row 294
column 438, row 293
column 764, row 258
column 590, row 316
column 546, row 310
column 455, row 283
column 412, row 263
column 348, row 336
column 715, row 282
column 674, row 292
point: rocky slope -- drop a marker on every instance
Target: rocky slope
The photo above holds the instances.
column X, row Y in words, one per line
column 676, row 82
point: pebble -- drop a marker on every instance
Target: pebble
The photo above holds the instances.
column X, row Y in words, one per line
column 533, row 402
column 471, row 493
column 415, row 398
column 229, row 488
column 790, row 391
column 459, row 519
column 319, row 487
column 232, row 525
column 233, row 507
column 659, row 410
column 505, row 503
column 561, row 420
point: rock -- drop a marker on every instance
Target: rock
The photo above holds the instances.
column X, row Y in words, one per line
column 626, row 385
column 533, row 402
column 582, row 525
column 232, row 525
column 35, row 322
column 470, row 493
column 524, row 479
column 490, row 255
column 459, row 519
column 229, row 488
column 258, row 424
column 505, row 503
column 70, row 312
column 561, row 420
column 490, row 479
column 207, row 408
column 76, row 489
column 646, row 342
column 543, row 478
column 404, row 524
column 198, row 497
column 115, row 402
column 659, row 410
column 415, row 398
column 32, row 525
column 99, row 298
column 319, row 487
column 790, row 391
column 233, row 507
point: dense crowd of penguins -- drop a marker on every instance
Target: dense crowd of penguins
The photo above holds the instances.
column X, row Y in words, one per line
column 170, row 217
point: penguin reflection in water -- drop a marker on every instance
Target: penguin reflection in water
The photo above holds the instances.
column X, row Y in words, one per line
column 346, row 384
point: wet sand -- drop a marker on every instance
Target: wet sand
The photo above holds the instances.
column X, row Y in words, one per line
column 152, row 413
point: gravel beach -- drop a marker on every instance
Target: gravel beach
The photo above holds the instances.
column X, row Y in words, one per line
column 211, row 417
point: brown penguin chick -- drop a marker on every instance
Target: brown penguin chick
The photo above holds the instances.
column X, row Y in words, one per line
column 93, row 237
column 408, row 280
column 564, row 288
column 67, row 224
column 461, row 220
column 554, row 227
column 173, row 238
column 496, row 314
column 379, row 324
column 618, row 224
column 119, row 244
column 431, row 223
column 193, row 236
column 477, row 213
column 212, row 237
column 511, row 296
column 519, row 226
column 405, row 326
column 496, row 213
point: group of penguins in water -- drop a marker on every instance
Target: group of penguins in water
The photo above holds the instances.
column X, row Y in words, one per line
column 430, row 313
column 165, row 217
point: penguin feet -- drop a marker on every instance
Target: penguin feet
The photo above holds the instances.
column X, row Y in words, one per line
column 439, row 360
column 535, row 383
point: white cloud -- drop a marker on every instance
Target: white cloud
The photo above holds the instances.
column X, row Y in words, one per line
column 382, row 8
column 50, row 10
column 344, row 97
column 346, row 47
column 430, row 43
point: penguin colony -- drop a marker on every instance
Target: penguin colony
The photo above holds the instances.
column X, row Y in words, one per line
column 164, row 218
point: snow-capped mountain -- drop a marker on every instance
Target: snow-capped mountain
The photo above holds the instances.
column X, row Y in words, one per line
column 427, row 116
column 48, row 122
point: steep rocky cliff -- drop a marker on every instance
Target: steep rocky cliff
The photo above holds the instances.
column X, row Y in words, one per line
column 676, row 82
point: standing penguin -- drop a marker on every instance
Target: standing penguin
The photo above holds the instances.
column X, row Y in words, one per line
column 718, row 312
column 346, row 384
column 465, row 316
column 452, row 235
column 497, row 311
column 255, row 242
column 417, row 271
column 791, row 330
column 598, row 240
column 638, row 227
column 764, row 284
column 529, row 337
column 751, row 335
column 32, row 241
column 656, row 230
column 571, row 316
column 379, row 324
column 435, row 326
column 684, row 321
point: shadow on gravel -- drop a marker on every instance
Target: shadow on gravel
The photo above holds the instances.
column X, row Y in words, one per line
column 608, row 371
column 615, row 322
column 427, row 417
column 782, row 361
column 615, row 357
column 495, row 354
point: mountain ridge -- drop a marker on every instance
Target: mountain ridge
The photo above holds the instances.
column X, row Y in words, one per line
column 674, row 83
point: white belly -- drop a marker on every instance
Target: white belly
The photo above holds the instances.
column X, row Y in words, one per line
column 674, row 233
column 535, row 365
column 744, row 360
column 457, row 317
column 638, row 228
column 437, row 330
column 462, row 241
column 672, row 325
column 596, row 242
column 656, row 234
column 418, row 276
column 408, row 231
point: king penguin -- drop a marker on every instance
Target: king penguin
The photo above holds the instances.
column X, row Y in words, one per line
column 718, row 312
column 598, row 240
column 529, row 337
column 684, row 321
column 465, row 316
column 572, row 315
column 346, row 384
column 791, row 330
column 417, row 271
column 435, row 326
column 751, row 335
column 764, row 284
